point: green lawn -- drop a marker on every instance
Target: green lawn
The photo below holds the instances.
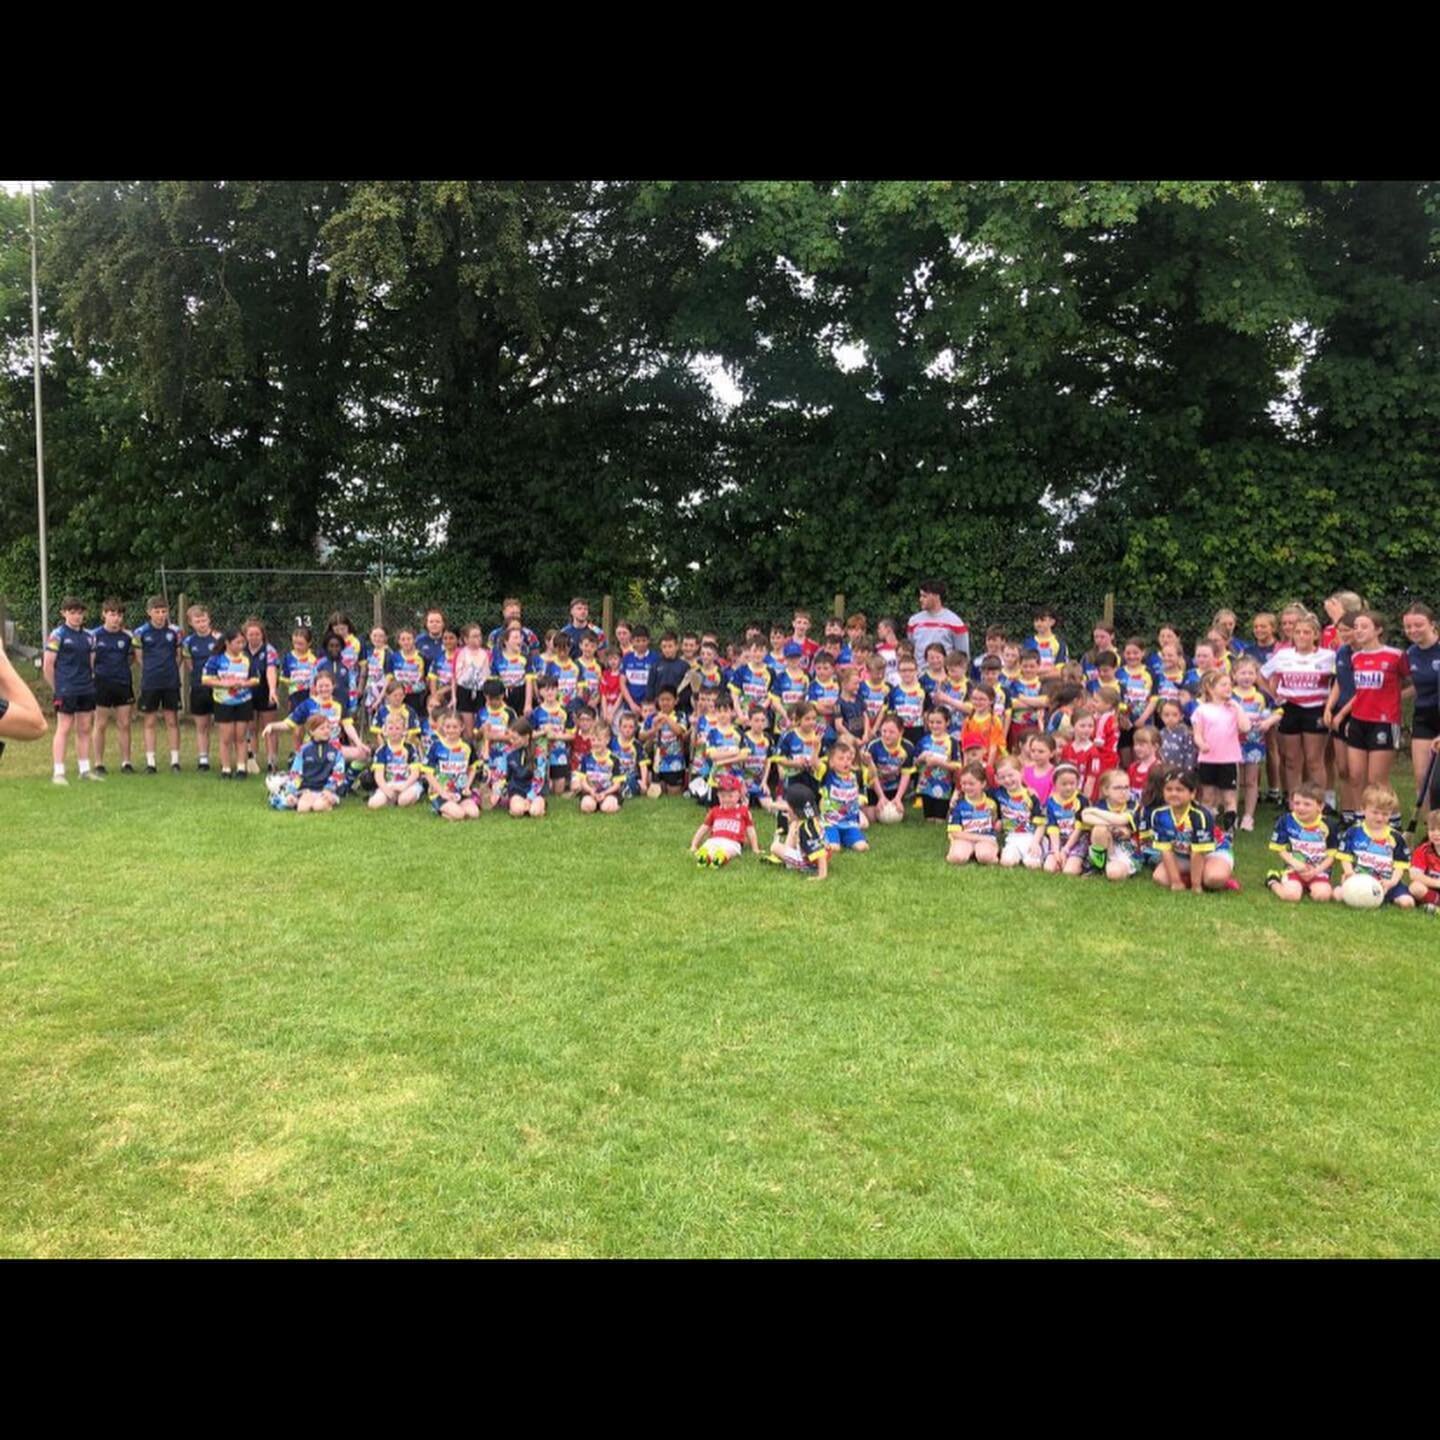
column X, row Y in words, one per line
column 233, row 1032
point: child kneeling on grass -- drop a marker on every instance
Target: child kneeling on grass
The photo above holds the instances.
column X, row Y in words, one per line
column 599, row 782
column 316, row 772
column 450, row 769
column 398, row 768
column 973, row 826
column 526, row 773
column 799, row 842
column 1425, row 866
column 728, row 825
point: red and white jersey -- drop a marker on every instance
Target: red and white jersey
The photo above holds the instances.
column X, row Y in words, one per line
column 1107, row 736
column 1378, row 674
column 730, row 822
column 1301, row 679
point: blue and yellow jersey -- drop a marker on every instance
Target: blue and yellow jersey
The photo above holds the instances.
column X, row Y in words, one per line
column 825, row 697
column 235, row 672
column 512, row 671
column 417, row 727
column 1136, row 688
column 666, row 735
column 710, row 681
column 627, row 763
column 566, row 674
column 888, row 766
column 1061, row 818
column 493, row 724
column 410, row 670
column 908, row 705
column 339, row 679
column 1256, row 704
column 1019, row 811
column 790, row 689
column 952, row 700
column 1030, row 717
column 876, row 699
column 1316, row 845
column 1052, row 651
column 261, row 663
column 1383, row 853
column 599, row 770
column 587, row 685
column 114, row 652
column 298, row 671
column 839, row 797
column 74, row 652
column 330, row 709
column 318, row 767
column 931, row 681
column 449, row 768
column 554, row 727
column 1190, row 832
column 199, row 649
column 377, row 674
column 938, row 784
column 442, row 668
column 718, row 738
column 159, row 651
column 351, row 656
column 973, row 819
column 755, row 765
column 398, row 765
column 752, row 688
column 792, row 745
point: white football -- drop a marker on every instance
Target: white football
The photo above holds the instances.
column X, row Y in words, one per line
column 275, row 783
column 1363, row 892
column 889, row 813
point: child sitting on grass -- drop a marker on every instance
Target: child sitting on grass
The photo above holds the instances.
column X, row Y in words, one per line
column 450, row 772
column 973, row 825
column 1112, row 827
column 1375, row 847
column 599, row 782
column 1306, row 843
column 727, row 827
column 316, row 772
column 1425, row 866
column 799, row 842
column 525, row 773
column 398, row 768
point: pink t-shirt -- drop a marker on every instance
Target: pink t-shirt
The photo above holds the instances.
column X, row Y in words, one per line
column 1222, row 733
column 1040, row 784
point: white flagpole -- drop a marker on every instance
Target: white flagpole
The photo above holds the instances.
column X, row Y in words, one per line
column 39, row 424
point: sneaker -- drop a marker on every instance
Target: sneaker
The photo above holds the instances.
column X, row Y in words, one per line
column 92, row 775
column 151, row 770
column 127, row 768
column 1247, row 822
column 202, row 764
column 58, row 780
column 100, row 771
column 269, row 768
column 175, row 768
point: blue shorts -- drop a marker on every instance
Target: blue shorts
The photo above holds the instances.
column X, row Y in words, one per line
column 1252, row 754
column 1398, row 889
column 845, row 836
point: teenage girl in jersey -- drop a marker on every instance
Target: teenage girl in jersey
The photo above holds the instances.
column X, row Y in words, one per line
column 264, row 673
column 1298, row 677
column 226, row 677
column 1424, row 657
column 1370, row 722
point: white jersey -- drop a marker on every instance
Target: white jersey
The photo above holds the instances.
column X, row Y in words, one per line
column 1301, row 679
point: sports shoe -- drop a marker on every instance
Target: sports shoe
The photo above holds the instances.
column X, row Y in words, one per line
column 92, row 775
column 175, row 768
column 1247, row 822
column 101, row 771
column 127, row 768
column 701, row 858
column 202, row 764
column 58, row 780
column 151, row 770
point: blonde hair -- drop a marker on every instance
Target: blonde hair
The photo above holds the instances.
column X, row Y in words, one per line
column 1379, row 795
column 1208, row 681
column 1103, row 782
column 1347, row 600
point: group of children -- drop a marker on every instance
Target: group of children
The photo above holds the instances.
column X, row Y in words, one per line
column 1130, row 756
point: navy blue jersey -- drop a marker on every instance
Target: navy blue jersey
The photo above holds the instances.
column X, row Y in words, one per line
column 200, row 648
column 318, row 767
column 851, row 714
column 522, row 778
column 576, row 631
column 668, row 673
column 529, row 640
column 1345, row 675
column 74, row 652
column 340, row 674
column 432, row 647
column 1425, row 673
column 159, row 648
column 113, row 652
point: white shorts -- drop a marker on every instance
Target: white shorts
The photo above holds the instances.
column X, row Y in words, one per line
column 1018, row 847
column 730, row 849
column 1226, row 857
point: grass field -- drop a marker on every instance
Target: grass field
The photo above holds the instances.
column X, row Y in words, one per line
column 233, row 1032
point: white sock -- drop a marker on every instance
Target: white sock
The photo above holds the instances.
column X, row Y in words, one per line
column 1330, row 798
column 84, row 766
column 150, row 757
column 174, row 757
column 59, row 767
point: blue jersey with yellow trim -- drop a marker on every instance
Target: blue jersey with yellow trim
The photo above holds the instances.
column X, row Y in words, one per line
column 1052, row 651
column 417, row 726
column 627, row 763
column 566, row 674
column 908, row 705
column 887, row 766
column 755, row 763
column 876, row 699
column 512, row 671
column 448, row 768
column 666, row 735
column 1383, row 854
column 398, row 765
column 793, row 745
column 790, row 689
column 309, row 706
column 410, row 670
column 839, row 797
column 974, row 819
column 298, row 670
column 598, row 768
column 235, row 671
column 553, row 726
column 934, row 781
column 1062, row 817
column 1020, row 811
column 1191, row 831
column 1316, row 845
column 1136, row 688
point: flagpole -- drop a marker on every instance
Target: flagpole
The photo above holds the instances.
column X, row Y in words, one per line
column 39, row 424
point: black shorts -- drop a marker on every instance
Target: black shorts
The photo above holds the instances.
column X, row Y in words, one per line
column 262, row 701
column 1371, row 735
column 296, row 699
column 1426, row 725
column 75, row 704
column 1302, row 719
column 468, row 701
column 515, row 699
column 153, row 700
column 1222, row 777
column 934, row 807
column 202, row 702
column 111, row 695
column 560, row 772
column 235, row 714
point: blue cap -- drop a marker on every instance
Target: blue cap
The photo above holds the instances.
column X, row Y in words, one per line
column 793, row 650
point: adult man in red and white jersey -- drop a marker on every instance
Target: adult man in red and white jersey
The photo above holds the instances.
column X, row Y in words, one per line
column 932, row 624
